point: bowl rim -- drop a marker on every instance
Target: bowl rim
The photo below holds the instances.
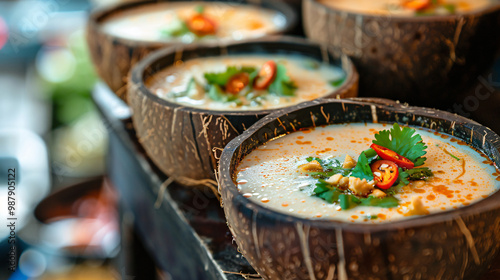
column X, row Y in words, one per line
column 136, row 80
column 490, row 8
column 99, row 15
column 225, row 178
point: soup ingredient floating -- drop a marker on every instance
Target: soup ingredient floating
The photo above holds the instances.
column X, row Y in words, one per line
column 377, row 170
column 399, row 173
column 198, row 24
column 408, row 7
column 188, row 22
column 246, row 82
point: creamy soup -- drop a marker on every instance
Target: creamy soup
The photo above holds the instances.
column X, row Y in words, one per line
column 310, row 80
column 168, row 21
column 272, row 176
column 407, row 7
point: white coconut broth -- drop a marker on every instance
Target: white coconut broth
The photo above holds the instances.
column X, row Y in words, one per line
column 270, row 175
column 312, row 78
column 396, row 7
column 234, row 21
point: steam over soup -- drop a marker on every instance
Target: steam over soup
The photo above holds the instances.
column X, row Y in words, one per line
column 187, row 22
column 368, row 173
column 408, row 7
column 250, row 82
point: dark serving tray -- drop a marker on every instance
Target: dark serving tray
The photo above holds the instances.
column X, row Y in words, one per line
column 186, row 234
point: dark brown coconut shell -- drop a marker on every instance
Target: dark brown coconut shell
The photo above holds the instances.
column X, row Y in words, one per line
column 113, row 56
column 186, row 141
column 422, row 60
column 458, row 244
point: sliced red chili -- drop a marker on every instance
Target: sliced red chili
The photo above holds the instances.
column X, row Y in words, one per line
column 389, row 154
column 201, row 25
column 385, row 173
column 266, row 75
column 237, row 82
column 417, row 5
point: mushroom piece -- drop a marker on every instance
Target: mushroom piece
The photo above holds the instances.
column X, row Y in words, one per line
column 338, row 180
column 360, row 187
column 311, row 166
column 417, row 207
column 378, row 193
column 349, row 162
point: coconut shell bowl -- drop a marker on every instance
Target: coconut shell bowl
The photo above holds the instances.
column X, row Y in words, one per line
column 114, row 55
column 185, row 142
column 456, row 244
column 424, row 60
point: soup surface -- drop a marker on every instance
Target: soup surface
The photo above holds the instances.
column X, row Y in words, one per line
column 272, row 176
column 308, row 80
column 170, row 22
column 407, row 7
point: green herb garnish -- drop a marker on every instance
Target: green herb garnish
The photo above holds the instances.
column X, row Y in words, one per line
column 330, row 168
column 402, row 178
column 216, row 93
column 362, row 169
column 451, row 8
column 176, row 28
column 450, row 154
column 404, row 141
column 385, row 202
column 199, row 9
column 422, row 173
column 337, row 82
column 282, row 84
column 222, row 78
column 347, row 201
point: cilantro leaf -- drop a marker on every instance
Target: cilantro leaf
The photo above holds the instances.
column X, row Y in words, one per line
column 330, row 196
column 176, row 28
column 404, row 141
column 402, row 178
column 337, row 82
column 370, row 154
column 362, row 169
column 222, row 78
column 216, row 93
column 385, row 202
column 322, row 187
column 193, row 89
column 422, row 173
column 199, row 9
column 282, row 84
column 451, row 8
column 347, row 201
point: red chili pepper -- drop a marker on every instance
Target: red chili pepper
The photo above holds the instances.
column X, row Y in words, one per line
column 388, row 154
column 385, row 173
column 201, row 25
column 266, row 75
column 4, row 33
column 417, row 5
column 237, row 82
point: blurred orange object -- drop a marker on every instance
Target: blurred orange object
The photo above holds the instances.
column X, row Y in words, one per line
column 417, row 4
column 201, row 25
column 4, row 33
column 86, row 213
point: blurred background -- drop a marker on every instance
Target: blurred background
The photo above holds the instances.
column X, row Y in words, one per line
column 51, row 133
